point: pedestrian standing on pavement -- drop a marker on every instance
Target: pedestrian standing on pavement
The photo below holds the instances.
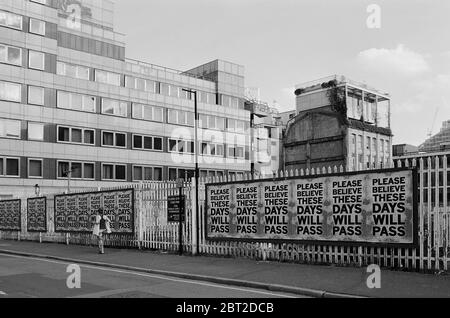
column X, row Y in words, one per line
column 101, row 227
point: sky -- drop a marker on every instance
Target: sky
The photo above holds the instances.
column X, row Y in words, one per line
column 282, row 43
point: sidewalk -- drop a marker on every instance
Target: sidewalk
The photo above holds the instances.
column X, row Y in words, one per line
column 310, row 280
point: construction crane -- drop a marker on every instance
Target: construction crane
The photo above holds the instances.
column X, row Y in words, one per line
column 430, row 132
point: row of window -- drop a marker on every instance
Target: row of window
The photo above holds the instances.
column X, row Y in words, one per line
column 10, row 167
column 10, row 128
column 15, row 21
column 13, row 55
column 209, row 149
column 371, row 144
column 73, row 101
column 37, row 61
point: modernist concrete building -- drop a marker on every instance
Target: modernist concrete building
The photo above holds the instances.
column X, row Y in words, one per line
column 339, row 122
column 266, row 138
column 438, row 142
column 72, row 105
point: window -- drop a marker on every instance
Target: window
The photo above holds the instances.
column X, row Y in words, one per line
column 140, row 84
column 179, row 117
column 36, row 60
column 37, row 26
column 76, row 135
column 10, row 55
column 35, row 168
column 36, row 131
column 236, row 152
column 113, row 139
column 75, row 101
column 114, row 172
column 164, row 89
column 181, row 146
column 147, row 112
column 10, row 91
column 142, row 173
column 11, row 167
column 70, row 70
column 10, row 128
column 107, row 77
column 11, row 20
column 78, row 170
column 114, row 107
column 157, row 143
column 144, row 142
column 35, row 95
column 88, row 171
column 157, row 174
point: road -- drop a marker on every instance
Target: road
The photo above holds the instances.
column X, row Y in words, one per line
column 25, row 277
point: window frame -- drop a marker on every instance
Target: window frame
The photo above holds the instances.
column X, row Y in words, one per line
column 42, row 103
column 30, row 52
column 9, row 26
column 20, row 128
column 29, row 165
column 5, row 167
column 103, row 99
column 114, row 171
column 37, row 33
column 114, row 139
column 70, row 135
column 28, row 131
column 6, row 61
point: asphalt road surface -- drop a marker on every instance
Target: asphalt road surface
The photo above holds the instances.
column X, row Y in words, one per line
column 23, row 277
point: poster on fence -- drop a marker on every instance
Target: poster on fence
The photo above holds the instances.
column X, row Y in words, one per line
column 10, row 215
column 76, row 212
column 377, row 207
column 37, row 214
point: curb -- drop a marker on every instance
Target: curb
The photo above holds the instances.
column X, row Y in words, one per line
column 224, row 281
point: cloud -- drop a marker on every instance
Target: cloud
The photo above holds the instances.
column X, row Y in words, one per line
column 400, row 60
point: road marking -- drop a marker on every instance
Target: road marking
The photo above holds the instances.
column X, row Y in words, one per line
column 155, row 276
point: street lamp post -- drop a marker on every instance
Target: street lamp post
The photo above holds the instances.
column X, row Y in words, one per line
column 196, row 162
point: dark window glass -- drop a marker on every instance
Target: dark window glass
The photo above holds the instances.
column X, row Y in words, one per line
column 157, row 176
column 137, row 173
column 77, row 135
column 120, row 172
column 108, row 139
column 63, row 134
column 147, row 173
column 89, row 171
column 172, row 174
column 63, row 167
column 137, row 142
column 12, row 167
column 157, row 143
column 76, row 170
column 89, row 137
column 148, row 143
column 121, row 140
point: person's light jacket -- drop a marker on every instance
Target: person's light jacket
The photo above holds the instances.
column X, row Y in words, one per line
column 96, row 230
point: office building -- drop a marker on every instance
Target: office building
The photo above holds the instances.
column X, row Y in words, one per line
column 76, row 112
column 338, row 122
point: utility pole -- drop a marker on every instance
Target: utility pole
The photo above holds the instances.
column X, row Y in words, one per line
column 197, row 225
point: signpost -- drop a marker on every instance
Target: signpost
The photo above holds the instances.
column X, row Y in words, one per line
column 358, row 208
column 176, row 212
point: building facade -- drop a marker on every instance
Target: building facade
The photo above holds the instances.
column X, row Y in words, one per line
column 438, row 142
column 266, row 138
column 75, row 111
column 339, row 122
